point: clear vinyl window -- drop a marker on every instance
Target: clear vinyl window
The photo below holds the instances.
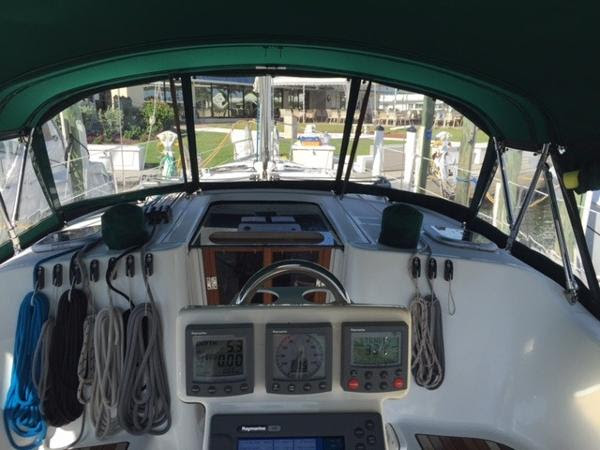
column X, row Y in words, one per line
column 115, row 141
column 291, row 128
column 537, row 231
column 20, row 188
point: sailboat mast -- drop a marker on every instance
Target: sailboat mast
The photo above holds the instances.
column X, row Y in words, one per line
column 265, row 122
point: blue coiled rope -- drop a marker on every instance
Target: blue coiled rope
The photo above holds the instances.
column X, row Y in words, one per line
column 22, row 416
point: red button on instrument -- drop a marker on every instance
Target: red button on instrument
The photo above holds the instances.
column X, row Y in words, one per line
column 399, row 383
column 353, row 384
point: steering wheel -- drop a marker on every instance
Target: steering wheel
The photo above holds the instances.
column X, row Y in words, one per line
column 292, row 295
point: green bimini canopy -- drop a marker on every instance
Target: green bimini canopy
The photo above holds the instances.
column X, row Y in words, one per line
column 525, row 71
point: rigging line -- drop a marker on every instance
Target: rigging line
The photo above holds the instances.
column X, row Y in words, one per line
column 40, row 359
column 121, row 137
column 109, row 350
column 451, row 302
column 60, row 402
column 22, row 416
column 151, row 124
column 60, row 398
column 427, row 347
column 108, row 359
column 55, row 362
column 85, row 366
column 144, row 399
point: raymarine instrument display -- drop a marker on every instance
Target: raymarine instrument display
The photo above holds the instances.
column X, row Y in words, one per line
column 218, row 360
column 281, row 431
column 377, row 348
column 298, row 358
column 375, row 356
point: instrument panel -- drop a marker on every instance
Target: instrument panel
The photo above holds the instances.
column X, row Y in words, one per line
column 219, row 360
column 323, row 431
column 374, row 357
column 279, row 358
column 298, row 358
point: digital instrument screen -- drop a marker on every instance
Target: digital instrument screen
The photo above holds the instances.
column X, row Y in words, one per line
column 217, row 357
column 377, row 348
column 312, row 443
column 299, row 356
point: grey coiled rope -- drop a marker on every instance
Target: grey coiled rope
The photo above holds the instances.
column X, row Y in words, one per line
column 109, row 350
column 108, row 353
column 85, row 367
column 41, row 358
column 144, row 398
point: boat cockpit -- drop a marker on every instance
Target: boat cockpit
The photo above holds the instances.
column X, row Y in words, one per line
column 286, row 324
column 249, row 247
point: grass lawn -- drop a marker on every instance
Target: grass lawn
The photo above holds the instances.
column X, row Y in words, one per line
column 216, row 148
column 456, row 133
column 206, row 142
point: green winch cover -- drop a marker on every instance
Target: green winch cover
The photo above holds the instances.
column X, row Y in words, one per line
column 123, row 226
column 401, row 226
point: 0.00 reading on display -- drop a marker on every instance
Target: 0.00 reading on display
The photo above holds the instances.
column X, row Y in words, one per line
column 217, row 358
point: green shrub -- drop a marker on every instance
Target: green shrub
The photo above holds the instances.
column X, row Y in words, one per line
column 111, row 123
column 134, row 133
column 164, row 116
column 133, row 119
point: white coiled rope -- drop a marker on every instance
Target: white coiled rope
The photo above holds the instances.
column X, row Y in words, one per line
column 427, row 366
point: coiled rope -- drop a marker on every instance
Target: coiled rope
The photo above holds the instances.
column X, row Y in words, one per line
column 22, row 415
column 144, row 398
column 58, row 353
column 108, row 353
column 109, row 342
column 60, row 402
column 85, row 367
column 427, row 363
